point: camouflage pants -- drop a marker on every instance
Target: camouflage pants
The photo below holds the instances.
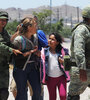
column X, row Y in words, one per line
column 77, row 87
column 4, row 84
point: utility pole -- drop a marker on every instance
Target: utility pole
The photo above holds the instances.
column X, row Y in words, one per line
column 71, row 22
column 51, row 14
column 77, row 14
column 66, row 12
column 19, row 15
column 57, row 14
column 60, row 13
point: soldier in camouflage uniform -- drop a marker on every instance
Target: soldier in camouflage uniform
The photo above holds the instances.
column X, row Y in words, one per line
column 80, row 54
column 5, row 52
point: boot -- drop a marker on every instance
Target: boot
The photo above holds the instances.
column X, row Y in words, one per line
column 89, row 85
column 75, row 97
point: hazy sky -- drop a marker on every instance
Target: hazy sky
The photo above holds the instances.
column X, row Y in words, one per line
column 25, row 4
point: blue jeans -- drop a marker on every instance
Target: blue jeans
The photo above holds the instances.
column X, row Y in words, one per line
column 31, row 74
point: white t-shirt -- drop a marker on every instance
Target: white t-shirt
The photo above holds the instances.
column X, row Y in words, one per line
column 53, row 68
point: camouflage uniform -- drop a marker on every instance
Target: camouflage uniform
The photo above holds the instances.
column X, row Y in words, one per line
column 80, row 53
column 5, row 52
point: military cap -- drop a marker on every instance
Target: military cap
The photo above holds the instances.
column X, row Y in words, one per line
column 3, row 15
column 86, row 12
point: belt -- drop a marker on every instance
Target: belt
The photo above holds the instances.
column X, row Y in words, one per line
column 30, row 61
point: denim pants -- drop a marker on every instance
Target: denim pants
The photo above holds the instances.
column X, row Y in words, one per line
column 32, row 75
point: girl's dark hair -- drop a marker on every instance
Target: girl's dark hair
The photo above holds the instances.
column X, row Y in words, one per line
column 59, row 39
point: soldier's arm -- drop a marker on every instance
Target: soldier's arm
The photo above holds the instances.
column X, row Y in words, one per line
column 79, row 49
column 79, row 46
column 5, row 45
column 6, row 50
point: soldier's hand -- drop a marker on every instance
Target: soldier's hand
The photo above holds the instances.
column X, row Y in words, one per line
column 83, row 75
column 15, row 51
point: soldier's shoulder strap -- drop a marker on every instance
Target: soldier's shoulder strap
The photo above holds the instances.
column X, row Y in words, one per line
column 6, row 35
column 5, row 32
column 81, row 23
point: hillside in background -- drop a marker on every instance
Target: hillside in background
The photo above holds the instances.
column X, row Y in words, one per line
column 68, row 13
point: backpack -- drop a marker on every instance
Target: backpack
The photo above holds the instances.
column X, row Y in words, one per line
column 20, row 60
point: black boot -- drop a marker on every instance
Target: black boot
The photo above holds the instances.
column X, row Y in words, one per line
column 89, row 85
column 75, row 97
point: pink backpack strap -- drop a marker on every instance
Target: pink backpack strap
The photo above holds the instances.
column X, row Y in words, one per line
column 67, row 72
column 62, row 52
column 43, row 60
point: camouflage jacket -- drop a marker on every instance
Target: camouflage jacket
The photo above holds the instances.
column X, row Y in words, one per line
column 80, row 45
column 5, row 49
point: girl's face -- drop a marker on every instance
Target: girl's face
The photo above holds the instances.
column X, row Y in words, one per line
column 32, row 29
column 52, row 42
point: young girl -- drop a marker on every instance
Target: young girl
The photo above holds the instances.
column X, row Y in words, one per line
column 42, row 42
column 52, row 71
column 26, row 71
